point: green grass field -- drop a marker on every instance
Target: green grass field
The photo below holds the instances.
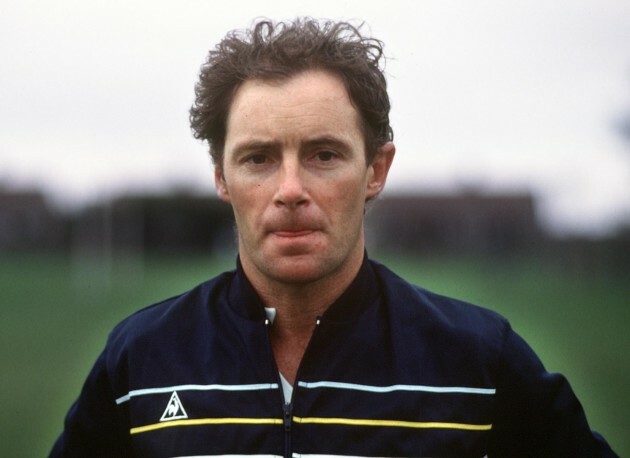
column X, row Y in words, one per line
column 55, row 314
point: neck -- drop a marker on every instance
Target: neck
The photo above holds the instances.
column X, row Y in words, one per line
column 297, row 307
column 298, row 304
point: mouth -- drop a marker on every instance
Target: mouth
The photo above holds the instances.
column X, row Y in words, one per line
column 293, row 233
column 294, row 240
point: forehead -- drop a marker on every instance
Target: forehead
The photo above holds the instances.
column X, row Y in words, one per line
column 311, row 102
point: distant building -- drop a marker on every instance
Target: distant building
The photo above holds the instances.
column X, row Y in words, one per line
column 27, row 223
column 461, row 224
column 174, row 223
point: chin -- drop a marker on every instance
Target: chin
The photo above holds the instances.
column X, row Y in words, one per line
column 298, row 271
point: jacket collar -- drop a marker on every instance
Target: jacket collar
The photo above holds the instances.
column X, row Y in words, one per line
column 363, row 290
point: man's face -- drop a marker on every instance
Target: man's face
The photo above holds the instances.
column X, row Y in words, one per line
column 295, row 173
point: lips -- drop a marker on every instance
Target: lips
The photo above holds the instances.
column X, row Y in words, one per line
column 293, row 233
column 293, row 227
column 289, row 228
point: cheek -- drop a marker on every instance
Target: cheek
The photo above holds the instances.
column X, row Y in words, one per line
column 248, row 204
column 348, row 198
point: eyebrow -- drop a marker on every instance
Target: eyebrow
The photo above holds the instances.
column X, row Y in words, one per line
column 258, row 145
column 254, row 145
column 326, row 140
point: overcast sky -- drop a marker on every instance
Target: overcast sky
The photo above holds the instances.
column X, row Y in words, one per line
column 500, row 96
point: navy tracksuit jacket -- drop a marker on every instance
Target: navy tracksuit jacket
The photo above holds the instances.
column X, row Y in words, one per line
column 391, row 370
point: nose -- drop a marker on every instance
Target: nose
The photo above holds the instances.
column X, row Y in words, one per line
column 290, row 192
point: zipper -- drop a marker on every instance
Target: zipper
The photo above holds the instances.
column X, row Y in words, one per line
column 287, row 407
column 288, row 420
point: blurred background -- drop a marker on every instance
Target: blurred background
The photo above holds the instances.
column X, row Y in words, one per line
column 510, row 189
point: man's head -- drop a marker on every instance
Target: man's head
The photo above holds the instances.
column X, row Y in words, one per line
column 297, row 119
column 277, row 51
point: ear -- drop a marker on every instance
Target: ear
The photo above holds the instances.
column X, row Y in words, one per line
column 219, row 182
column 378, row 170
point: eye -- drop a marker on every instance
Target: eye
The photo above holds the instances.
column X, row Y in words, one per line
column 257, row 159
column 326, row 156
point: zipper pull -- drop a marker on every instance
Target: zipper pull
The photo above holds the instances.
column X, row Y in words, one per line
column 287, row 416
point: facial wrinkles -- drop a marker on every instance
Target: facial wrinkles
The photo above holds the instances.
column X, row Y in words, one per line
column 291, row 108
column 294, row 132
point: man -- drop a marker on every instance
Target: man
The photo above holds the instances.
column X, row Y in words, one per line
column 308, row 348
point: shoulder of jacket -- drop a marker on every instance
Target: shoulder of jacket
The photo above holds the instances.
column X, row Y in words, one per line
column 443, row 314
column 172, row 313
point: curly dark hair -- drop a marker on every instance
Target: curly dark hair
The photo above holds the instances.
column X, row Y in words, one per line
column 276, row 51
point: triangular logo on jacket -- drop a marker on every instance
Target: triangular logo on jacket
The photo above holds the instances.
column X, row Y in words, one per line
column 174, row 409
